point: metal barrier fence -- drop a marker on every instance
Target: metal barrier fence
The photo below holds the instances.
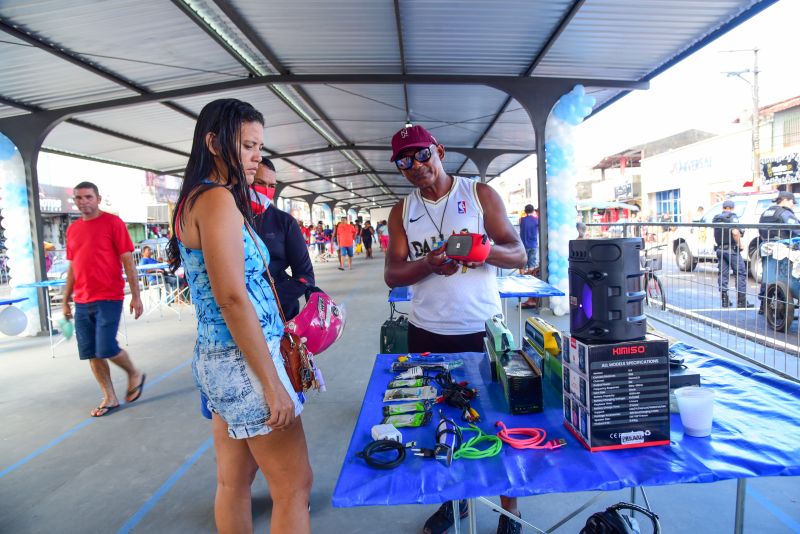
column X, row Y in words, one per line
column 755, row 319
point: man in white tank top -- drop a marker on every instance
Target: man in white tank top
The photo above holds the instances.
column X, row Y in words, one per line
column 449, row 304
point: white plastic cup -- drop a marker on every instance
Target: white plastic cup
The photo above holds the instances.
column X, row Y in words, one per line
column 696, row 407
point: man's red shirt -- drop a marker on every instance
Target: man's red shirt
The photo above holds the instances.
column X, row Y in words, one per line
column 345, row 234
column 94, row 247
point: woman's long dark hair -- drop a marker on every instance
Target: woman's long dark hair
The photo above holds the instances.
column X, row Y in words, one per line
column 224, row 118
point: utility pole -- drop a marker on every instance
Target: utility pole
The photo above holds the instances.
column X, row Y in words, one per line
column 755, row 139
column 756, row 129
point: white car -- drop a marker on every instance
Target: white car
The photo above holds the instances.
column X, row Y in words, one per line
column 692, row 245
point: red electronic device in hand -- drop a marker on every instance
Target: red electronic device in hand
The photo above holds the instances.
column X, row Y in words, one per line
column 468, row 248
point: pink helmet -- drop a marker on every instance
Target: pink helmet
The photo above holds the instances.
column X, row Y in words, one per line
column 320, row 322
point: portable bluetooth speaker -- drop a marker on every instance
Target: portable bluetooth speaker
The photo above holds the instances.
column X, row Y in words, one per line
column 468, row 247
column 605, row 290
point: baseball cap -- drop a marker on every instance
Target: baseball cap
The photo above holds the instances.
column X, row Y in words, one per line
column 728, row 204
column 784, row 195
column 413, row 137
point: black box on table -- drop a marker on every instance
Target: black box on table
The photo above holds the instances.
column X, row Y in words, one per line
column 521, row 379
column 616, row 395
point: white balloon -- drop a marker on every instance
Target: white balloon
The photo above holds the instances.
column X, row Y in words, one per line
column 12, row 321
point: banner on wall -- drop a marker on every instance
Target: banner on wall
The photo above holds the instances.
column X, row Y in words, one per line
column 56, row 199
column 780, row 170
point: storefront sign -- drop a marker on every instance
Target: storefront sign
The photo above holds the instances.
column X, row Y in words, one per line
column 780, row 169
column 691, row 165
column 165, row 189
column 54, row 199
column 624, row 191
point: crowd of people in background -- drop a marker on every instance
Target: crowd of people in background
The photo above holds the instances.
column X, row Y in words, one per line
column 347, row 239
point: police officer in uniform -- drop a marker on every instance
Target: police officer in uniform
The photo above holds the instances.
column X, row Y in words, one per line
column 729, row 247
column 778, row 213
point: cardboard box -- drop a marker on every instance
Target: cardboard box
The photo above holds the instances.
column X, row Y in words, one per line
column 616, row 395
column 522, row 382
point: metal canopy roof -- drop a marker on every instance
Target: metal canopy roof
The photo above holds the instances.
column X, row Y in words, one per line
column 122, row 80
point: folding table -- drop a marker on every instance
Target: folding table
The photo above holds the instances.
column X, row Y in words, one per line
column 45, row 285
column 514, row 286
column 755, row 434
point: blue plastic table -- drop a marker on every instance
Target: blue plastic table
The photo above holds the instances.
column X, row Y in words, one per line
column 520, row 286
column 755, row 434
column 45, row 285
column 9, row 302
column 164, row 298
column 400, row 294
column 515, row 286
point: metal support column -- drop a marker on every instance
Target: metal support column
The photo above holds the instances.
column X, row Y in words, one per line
column 741, row 494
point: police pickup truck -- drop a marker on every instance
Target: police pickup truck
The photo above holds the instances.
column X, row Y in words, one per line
column 692, row 245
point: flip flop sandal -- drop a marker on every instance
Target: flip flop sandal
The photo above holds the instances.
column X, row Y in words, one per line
column 135, row 393
column 108, row 410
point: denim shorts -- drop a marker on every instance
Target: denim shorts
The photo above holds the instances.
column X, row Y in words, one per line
column 347, row 251
column 96, row 325
column 533, row 259
column 233, row 391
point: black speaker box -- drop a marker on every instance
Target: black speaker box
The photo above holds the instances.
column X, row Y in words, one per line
column 605, row 290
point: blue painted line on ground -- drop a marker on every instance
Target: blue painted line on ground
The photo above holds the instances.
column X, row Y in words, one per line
column 782, row 516
column 83, row 424
column 164, row 489
column 44, row 448
column 167, row 486
column 167, row 374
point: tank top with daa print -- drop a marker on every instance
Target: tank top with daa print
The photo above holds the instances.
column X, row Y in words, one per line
column 461, row 303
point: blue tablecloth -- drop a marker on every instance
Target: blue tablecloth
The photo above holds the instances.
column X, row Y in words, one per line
column 400, row 294
column 508, row 286
column 46, row 283
column 152, row 266
column 525, row 286
column 8, row 302
column 755, row 434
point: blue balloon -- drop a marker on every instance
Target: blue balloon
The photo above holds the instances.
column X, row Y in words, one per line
column 7, row 148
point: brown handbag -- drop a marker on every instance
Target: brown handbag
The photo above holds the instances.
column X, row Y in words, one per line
column 299, row 363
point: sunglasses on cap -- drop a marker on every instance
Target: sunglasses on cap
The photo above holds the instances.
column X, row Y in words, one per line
column 422, row 155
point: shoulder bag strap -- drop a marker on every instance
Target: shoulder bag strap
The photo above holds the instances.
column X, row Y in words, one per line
column 266, row 268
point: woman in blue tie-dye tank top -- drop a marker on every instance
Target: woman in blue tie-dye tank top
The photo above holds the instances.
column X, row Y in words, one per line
column 237, row 363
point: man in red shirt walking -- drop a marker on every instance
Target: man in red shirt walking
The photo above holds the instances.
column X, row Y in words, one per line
column 98, row 246
column 345, row 237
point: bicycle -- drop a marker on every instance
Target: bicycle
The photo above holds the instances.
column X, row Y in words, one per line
column 652, row 261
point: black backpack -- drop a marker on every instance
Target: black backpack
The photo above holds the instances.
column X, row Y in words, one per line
column 611, row 521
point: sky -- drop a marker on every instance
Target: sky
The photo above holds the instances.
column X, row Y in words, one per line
column 696, row 93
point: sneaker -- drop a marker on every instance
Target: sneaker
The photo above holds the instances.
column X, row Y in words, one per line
column 442, row 519
column 508, row 526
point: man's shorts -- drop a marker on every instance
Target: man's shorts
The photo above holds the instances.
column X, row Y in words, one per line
column 533, row 259
column 96, row 325
column 346, row 251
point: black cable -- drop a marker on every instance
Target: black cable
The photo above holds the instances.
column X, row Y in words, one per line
column 380, row 446
column 457, row 395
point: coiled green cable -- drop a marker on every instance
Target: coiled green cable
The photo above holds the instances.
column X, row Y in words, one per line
column 469, row 450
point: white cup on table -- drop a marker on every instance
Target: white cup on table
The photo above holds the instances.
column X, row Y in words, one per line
column 696, row 406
